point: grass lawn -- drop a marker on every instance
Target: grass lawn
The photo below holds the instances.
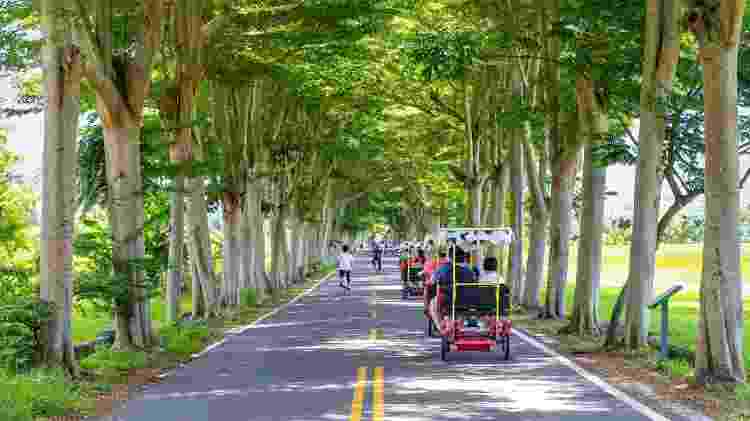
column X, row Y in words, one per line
column 87, row 326
column 674, row 263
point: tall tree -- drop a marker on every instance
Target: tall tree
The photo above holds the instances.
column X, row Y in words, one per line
column 592, row 105
column 62, row 75
column 176, row 106
column 118, row 65
column 719, row 350
column 660, row 56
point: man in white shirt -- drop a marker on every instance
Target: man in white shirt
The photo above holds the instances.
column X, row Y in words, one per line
column 344, row 265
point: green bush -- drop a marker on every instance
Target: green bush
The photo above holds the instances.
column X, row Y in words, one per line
column 98, row 286
column 675, row 368
column 742, row 392
column 186, row 339
column 619, row 233
column 248, row 297
column 105, row 358
column 38, row 393
column 21, row 319
column 678, row 232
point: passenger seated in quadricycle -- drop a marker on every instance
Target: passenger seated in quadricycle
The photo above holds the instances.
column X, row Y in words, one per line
column 412, row 275
column 473, row 312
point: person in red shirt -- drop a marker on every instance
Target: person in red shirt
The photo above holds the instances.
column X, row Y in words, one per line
column 419, row 260
column 429, row 269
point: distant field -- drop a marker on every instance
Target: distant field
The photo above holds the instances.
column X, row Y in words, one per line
column 674, row 263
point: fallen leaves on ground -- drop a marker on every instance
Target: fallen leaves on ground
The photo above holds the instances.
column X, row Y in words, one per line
column 621, row 370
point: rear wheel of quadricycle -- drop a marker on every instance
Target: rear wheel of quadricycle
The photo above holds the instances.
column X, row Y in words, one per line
column 505, row 342
column 429, row 327
column 444, row 349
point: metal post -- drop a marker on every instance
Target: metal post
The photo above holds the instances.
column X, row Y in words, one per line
column 665, row 329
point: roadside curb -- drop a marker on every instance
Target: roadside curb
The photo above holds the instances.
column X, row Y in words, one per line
column 243, row 329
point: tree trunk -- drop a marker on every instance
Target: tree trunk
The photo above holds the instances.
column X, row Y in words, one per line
column 661, row 53
column 257, row 253
column 593, row 117
column 672, row 211
column 293, row 233
column 232, row 216
column 500, row 190
column 329, row 216
column 264, row 282
column 62, row 76
column 122, row 152
column 279, row 254
column 538, row 235
column 515, row 277
column 199, row 306
column 199, row 247
column 176, row 247
column 561, row 209
column 121, row 89
column 719, row 349
column 585, row 317
column 245, row 248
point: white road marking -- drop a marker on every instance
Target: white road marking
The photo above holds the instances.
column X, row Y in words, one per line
column 646, row 411
column 251, row 325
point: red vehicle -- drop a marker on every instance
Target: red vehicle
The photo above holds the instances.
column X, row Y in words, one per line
column 474, row 315
column 412, row 276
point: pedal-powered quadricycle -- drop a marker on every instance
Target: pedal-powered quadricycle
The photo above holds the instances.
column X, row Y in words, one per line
column 474, row 311
column 412, row 267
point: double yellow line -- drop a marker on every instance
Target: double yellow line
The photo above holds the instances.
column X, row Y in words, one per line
column 359, row 394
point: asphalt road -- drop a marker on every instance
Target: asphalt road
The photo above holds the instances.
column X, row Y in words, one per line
column 362, row 355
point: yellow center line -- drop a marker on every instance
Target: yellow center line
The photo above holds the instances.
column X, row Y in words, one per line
column 375, row 333
column 377, row 395
column 359, row 394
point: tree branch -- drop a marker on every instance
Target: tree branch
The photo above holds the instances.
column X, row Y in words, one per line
column 744, row 178
column 445, row 108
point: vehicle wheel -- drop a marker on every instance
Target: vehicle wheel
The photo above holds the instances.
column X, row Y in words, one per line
column 444, row 349
column 429, row 327
column 404, row 294
column 507, row 347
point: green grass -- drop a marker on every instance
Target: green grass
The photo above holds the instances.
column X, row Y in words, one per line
column 674, row 263
column 108, row 359
column 87, row 326
column 40, row 393
column 683, row 316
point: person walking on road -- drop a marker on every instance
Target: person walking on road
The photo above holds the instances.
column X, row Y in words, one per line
column 377, row 257
column 344, row 265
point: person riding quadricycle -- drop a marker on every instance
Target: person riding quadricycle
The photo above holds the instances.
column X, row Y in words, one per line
column 412, row 266
column 470, row 312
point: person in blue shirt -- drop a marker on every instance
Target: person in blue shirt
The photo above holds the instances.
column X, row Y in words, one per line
column 443, row 276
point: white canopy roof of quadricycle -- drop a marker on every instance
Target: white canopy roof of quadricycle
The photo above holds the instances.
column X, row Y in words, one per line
column 466, row 237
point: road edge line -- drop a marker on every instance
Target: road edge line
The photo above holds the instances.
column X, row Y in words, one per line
column 598, row 381
column 251, row 325
column 292, row 301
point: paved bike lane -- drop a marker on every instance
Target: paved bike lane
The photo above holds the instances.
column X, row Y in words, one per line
column 362, row 355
